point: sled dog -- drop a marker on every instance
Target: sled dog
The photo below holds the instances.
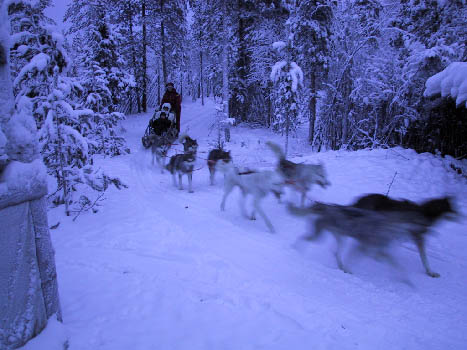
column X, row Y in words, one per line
column 374, row 228
column 431, row 210
column 214, row 156
column 257, row 184
column 300, row 176
column 184, row 163
column 160, row 146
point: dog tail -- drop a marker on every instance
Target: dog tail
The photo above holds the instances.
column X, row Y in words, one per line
column 182, row 137
column 298, row 211
column 276, row 149
column 316, row 208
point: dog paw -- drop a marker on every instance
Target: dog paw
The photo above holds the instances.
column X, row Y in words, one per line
column 433, row 274
column 191, row 191
column 252, row 217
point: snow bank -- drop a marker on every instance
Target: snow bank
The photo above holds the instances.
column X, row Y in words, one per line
column 53, row 337
column 452, row 82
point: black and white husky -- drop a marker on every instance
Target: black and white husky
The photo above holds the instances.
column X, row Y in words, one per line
column 257, row 184
column 184, row 163
column 214, row 156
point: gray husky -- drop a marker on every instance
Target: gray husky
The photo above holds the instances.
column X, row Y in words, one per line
column 160, row 146
column 184, row 163
column 431, row 210
column 375, row 229
column 258, row 184
column 300, row 176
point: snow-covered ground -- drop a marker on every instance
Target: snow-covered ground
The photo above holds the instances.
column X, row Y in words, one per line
column 159, row 268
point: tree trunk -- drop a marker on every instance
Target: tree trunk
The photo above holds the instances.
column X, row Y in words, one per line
column 144, row 95
column 201, row 76
column 312, row 108
column 164, row 62
column 158, row 89
column 225, row 61
column 347, row 89
column 133, row 58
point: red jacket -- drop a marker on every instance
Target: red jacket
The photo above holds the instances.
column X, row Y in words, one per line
column 175, row 100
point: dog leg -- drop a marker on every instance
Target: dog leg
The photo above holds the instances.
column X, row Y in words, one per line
column 163, row 164
column 174, row 181
column 257, row 206
column 211, row 175
column 190, row 182
column 227, row 189
column 420, row 242
column 180, row 186
column 243, row 205
column 253, row 215
column 338, row 254
column 302, row 200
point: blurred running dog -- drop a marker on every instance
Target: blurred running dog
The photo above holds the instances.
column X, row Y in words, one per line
column 259, row 184
column 432, row 211
column 300, row 176
column 375, row 222
column 160, row 146
column 184, row 163
column 214, row 156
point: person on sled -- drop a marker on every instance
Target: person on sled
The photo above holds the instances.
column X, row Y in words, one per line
column 173, row 97
column 162, row 124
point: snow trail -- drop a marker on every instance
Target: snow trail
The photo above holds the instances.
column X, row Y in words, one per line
column 160, row 268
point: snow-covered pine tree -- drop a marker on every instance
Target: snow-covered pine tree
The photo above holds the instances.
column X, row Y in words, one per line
column 256, row 25
column 42, row 91
column 99, row 68
column 356, row 28
column 312, row 33
column 35, row 44
column 429, row 36
column 288, row 77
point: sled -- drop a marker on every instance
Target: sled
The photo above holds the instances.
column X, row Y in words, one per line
column 146, row 139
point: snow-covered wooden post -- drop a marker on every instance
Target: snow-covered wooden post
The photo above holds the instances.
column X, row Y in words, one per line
column 28, row 280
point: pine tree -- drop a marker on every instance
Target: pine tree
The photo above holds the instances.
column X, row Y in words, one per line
column 99, row 68
column 311, row 22
column 288, row 77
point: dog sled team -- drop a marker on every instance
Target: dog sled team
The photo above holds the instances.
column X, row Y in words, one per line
column 373, row 222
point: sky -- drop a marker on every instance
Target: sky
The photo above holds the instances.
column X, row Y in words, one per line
column 57, row 11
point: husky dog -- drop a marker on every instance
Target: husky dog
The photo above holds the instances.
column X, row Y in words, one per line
column 214, row 156
column 431, row 210
column 300, row 176
column 375, row 229
column 258, row 184
column 160, row 146
column 184, row 163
